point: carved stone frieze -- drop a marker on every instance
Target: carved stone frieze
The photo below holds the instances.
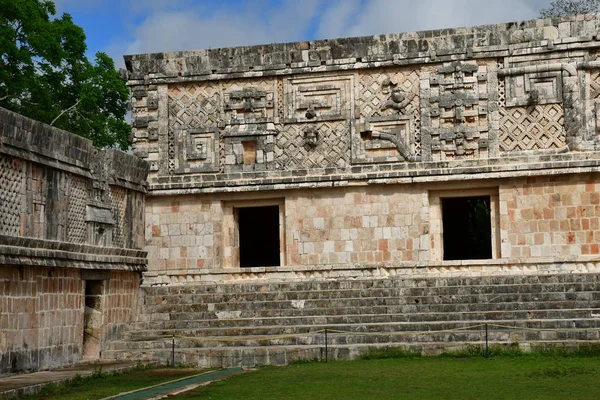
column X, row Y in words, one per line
column 532, row 128
column 248, row 101
column 294, row 151
column 385, row 139
column 11, row 190
column 249, row 147
column 191, row 106
column 389, row 127
column 458, row 110
column 197, row 150
column 318, row 98
column 533, row 89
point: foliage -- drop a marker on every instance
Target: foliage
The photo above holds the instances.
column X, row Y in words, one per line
column 563, row 8
column 45, row 75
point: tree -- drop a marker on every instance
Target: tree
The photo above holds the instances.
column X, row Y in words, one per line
column 45, row 75
column 563, row 8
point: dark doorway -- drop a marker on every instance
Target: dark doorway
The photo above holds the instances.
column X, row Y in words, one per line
column 92, row 319
column 259, row 236
column 467, row 228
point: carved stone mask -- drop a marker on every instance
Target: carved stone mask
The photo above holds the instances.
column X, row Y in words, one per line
column 311, row 135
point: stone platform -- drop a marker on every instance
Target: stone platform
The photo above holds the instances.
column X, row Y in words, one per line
column 274, row 323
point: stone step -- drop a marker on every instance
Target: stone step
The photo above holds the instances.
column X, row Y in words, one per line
column 529, row 332
column 388, row 282
column 451, row 309
column 203, row 298
column 338, row 318
column 377, row 301
column 242, row 333
column 249, row 356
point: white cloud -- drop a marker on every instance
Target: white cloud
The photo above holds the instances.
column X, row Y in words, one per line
column 346, row 18
column 170, row 25
column 200, row 27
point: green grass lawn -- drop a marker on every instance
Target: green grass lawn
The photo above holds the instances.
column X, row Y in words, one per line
column 523, row 377
column 100, row 385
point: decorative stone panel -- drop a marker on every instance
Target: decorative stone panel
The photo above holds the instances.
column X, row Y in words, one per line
column 248, row 101
column 534, row 88
column 293, row 151
column 318, row 98
column 385, row 139
column 532, row 128
column 594, row 102
column 118, row 201
column 197, row 150
column 78, row 195
column 458, row 111
column 389, row 104
column 249, row 147
column 11, row 192
column 191, row 106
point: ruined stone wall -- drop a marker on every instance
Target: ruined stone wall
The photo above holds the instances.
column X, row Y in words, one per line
column 358, row 141
column 70, row 214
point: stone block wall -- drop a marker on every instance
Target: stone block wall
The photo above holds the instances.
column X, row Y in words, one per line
column 533, row 220
column 41, row 323
column 551, row 217
column 120, row 304
column 71, row 228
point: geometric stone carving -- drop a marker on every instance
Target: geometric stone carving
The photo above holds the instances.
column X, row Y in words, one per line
column 388, row 97
column 532, row 128
column 458, row 110
column 78, row 194
column 318, row 98
column 534, row 88
column 197, row 150
column 247, row 104
column 293, row 151
column 384, row 139
column 11, row 183
column 191, row 106
column 118, row 200
column 594, row 101
column 376, row 92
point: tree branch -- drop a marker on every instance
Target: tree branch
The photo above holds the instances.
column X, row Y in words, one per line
column 74, row 106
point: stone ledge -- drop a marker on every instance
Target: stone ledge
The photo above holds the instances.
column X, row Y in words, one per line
column 542, row 265
column 41, row 244
column 56, row 258
column 365, row 175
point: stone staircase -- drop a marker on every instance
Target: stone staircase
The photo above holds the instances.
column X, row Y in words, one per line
column 232, row 324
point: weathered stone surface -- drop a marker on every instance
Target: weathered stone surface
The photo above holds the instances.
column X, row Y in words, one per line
column 70, row 215
column 361, row 143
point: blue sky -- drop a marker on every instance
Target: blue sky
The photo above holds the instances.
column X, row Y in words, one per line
column 120, row 27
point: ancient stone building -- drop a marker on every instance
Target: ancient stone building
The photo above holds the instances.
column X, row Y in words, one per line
column 399, row 189
column 71, row 245
column 394, row 183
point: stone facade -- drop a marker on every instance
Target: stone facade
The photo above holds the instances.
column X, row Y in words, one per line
column 358, row 142
column 401, row 187
column 71, row 245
